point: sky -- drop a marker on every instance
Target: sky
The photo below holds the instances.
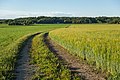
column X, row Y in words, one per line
column 59, row 8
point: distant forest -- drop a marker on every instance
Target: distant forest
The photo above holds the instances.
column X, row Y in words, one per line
column 60, row 20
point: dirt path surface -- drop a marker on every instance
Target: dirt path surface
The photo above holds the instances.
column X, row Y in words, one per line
column 23, row 69
column 83, row 70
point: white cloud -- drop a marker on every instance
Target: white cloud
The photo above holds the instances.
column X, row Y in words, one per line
column 6, row 14
column 61, row 14
column 15, row 14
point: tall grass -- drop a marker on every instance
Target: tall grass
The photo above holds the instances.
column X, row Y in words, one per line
column 100, row 46
column 49, row 67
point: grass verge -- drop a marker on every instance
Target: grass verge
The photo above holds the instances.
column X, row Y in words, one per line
column 48, row 65
column 8, row 57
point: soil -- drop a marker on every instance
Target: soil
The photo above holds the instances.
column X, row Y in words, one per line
column 80, row 67
column 24, row 70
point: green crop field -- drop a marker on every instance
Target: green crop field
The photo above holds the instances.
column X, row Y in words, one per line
column 99, row 44
column 9, row 34
column 96, row 44
column 59, row 39
column 11, row 40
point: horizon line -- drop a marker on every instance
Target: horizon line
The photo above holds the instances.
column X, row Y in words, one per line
column 59, row 16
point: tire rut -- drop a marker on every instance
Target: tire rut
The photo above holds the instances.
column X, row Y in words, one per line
column 24, row 70
column 83, row 70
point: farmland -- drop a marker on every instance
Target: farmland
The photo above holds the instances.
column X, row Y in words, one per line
column 66, row 51
column 48, row 63
column 12, row 39
column 98, row 44
column 9, row 34
column 59, row 40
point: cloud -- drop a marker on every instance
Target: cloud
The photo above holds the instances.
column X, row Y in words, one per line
column 15, row 14
column 61, row 14
column 8, row 14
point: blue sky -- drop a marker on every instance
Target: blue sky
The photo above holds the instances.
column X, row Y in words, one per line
column 76, row 8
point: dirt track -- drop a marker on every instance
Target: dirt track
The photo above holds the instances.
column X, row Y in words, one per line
column 83, row 70
column 23, row 69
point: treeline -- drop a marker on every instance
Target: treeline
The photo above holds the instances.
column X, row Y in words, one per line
column 61, row 20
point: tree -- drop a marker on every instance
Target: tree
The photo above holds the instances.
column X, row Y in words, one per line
column 65, row 20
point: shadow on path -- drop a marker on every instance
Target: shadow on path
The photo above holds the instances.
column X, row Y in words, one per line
column 76, row 66
column 24, row 70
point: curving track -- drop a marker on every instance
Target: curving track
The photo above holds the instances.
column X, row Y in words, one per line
column 24, row 70
column 83, row 70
